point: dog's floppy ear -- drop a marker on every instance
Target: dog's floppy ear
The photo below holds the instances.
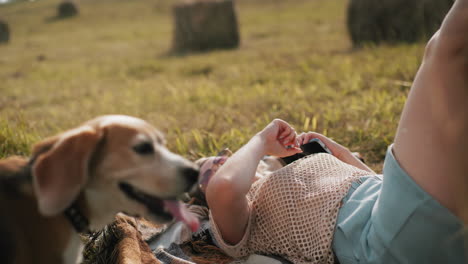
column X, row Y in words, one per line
column 60, row 168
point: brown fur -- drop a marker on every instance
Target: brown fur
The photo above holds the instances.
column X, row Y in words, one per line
column 132, row 248
column 32, row 237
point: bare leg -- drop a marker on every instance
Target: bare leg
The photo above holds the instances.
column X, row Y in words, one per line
column 431, row 143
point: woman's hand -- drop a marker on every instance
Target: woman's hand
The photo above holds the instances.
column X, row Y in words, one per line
column 279, row 139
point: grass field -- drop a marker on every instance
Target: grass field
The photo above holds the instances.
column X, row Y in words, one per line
column 295, row 62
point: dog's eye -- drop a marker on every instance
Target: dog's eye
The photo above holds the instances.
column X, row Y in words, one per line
column 144, row 148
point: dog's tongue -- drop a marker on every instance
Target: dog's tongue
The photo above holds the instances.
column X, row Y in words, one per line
column 180, row 213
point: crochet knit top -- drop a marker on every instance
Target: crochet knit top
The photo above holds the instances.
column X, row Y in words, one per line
column 294, row 210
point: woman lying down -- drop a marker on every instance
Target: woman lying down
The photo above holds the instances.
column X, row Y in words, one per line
column 322, row 208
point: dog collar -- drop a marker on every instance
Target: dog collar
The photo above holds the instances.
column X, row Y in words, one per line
column 79, row 222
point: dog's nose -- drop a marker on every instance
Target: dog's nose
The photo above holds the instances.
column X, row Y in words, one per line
column 191, row 176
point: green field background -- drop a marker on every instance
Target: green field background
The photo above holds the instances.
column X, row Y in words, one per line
column 295, row 62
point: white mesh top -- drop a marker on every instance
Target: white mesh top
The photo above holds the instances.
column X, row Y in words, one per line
column 294, row 210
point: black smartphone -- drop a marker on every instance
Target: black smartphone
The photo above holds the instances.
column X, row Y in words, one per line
column 314, row 146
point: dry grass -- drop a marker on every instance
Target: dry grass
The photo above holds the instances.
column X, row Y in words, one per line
column 295, row 62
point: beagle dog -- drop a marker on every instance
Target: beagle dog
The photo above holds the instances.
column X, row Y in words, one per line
column 80, row 179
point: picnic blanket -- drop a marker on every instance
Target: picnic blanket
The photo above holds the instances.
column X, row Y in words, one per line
column 128, row 239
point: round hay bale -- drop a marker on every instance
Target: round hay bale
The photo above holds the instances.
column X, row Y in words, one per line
column 393, row 21
column 67, row 9
column 204, row 25
column 4, row 32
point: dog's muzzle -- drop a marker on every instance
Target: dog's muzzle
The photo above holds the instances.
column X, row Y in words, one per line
column 165, row 210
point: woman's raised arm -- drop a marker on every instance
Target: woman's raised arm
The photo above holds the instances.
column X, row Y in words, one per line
column 227, row 190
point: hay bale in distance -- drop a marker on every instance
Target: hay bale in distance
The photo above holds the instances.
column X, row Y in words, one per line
column 4, row 32
column 67, row 9
column 393, row 21
column 204, row 25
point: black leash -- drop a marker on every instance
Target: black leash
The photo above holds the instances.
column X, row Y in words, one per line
column 79, row 222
